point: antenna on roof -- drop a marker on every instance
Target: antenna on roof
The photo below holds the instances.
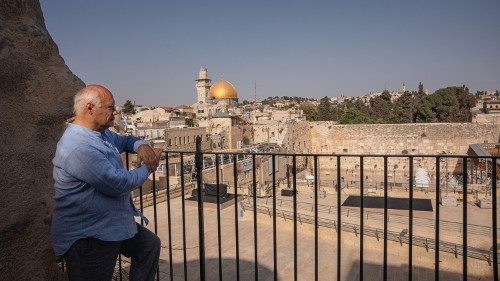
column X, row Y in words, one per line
column 255, row 92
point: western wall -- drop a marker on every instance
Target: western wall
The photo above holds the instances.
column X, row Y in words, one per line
column 426, row 138
column 451, row 139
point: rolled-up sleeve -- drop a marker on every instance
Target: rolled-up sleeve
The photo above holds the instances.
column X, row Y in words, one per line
column 139, row 143
column 95, row 169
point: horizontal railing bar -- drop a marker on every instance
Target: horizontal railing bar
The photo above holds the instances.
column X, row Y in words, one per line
column 371, row 231
column 331, row 154
column 425, row 222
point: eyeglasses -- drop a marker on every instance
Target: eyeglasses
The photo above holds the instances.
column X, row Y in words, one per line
column 111, row 108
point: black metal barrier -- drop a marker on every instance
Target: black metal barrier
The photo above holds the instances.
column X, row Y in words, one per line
column 328, row 216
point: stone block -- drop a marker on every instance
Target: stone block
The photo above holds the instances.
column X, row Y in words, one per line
column 449, row 201
column 485, row 203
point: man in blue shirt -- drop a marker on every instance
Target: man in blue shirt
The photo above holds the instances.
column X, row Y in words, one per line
column 93, row 219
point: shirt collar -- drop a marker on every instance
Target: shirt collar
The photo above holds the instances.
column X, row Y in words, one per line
column 85, row 130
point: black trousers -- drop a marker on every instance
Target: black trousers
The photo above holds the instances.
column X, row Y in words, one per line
column 93, row 259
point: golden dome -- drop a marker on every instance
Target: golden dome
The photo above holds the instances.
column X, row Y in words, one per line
column 222, row 89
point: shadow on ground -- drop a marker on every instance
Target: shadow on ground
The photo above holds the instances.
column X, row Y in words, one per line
column 229, row 272
column 375, row 272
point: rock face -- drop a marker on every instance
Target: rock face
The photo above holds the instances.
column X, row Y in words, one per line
column 36, row 90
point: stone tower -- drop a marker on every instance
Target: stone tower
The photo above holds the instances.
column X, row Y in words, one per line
column 202, row 85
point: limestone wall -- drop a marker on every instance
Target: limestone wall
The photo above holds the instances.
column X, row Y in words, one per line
column 299, row 137
column 452, row 138
column 493, row 118
column 241, row 135
column 36, row 90
column 269, row 133
column 406, row 139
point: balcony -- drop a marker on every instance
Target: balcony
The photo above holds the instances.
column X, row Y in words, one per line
column 340, row 217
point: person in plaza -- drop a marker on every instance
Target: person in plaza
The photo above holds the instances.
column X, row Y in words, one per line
column 94, row 216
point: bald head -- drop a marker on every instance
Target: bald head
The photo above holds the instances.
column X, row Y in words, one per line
column 93, row 94
column 94, row 108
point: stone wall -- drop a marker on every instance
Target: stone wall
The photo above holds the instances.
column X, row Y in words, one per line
column 274, row 132
column 451, row 138
column 299, row 137
column 242, row 134
column 36, row 89
column 492, row 118
column 402, row 139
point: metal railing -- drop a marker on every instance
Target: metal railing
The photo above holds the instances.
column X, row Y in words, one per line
column 332, row 215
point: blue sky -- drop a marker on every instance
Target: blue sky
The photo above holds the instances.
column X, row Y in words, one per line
column 151, row 51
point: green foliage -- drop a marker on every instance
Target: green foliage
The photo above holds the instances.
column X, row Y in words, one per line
column 310, row 111
column 451, row 104
column 404, row 108
column 128, row 108
column 325, row 112
column 381, row 109
column 353, row 116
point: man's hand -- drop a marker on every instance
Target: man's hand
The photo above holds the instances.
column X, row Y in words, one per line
column 149, row 156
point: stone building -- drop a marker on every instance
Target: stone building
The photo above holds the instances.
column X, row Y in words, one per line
column 184, row 139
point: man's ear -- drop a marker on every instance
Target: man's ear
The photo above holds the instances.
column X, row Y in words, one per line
column 90, row 107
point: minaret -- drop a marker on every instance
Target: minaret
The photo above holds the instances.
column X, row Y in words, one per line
column 203, row 85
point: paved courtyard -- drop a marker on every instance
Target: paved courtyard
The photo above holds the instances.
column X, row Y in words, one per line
column 423, row 260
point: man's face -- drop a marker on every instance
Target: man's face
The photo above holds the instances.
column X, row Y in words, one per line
column 104, row 116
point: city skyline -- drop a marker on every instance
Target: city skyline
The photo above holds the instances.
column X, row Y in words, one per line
column 152, row 53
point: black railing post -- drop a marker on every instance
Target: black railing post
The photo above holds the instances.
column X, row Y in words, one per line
column 316, row 186
column 385, row 219
column 275, row 246
column 219, row 238
column 494, row 215
column 254, row 197
column 294, row 171
column 169, row 219
column 155, row 218
column 127, row 164
column 183, row 211
column 410, row 222
column 436, row 238
column 201, row 227
column 464, row 219
column 339, row 218
column 236, row 205
column 361, row 217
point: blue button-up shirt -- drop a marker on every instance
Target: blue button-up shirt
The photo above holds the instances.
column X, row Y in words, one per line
column 92, row 187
